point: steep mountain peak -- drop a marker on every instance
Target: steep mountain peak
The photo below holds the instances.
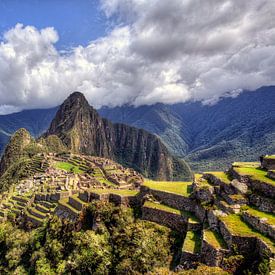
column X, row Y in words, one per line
column 81, row 129
column 76, row 100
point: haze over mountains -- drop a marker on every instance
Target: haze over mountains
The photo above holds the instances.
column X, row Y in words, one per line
column 209, row 137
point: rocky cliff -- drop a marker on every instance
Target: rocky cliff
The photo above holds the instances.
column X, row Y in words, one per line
column 80, row 127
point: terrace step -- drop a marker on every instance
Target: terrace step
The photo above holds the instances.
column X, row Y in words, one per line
column 235, row 199
column 261, row 221
column 36, row 213
column 20, row 199
column 34, row 219
column 238, row 229
column 227, row 208
column 41, row 208
column 191, row 247
column 76, row 202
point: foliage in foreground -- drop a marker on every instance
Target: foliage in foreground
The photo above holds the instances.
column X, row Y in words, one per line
column 118, row 245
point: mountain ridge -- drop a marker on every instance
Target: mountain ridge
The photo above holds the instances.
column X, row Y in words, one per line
column 81, row 128
column 234, row 128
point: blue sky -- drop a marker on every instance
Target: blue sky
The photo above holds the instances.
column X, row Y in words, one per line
column 76, row 21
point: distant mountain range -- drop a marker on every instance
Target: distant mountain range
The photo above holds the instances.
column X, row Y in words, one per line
column 209, row 137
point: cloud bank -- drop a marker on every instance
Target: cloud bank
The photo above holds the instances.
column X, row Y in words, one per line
column 159, row 51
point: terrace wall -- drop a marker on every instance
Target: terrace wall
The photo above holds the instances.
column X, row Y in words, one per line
column 263, row 203
column 171, row 220
column 260, row 224
column 268, row 163
column 170, row 199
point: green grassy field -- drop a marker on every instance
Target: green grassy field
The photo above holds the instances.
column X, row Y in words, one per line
column 176, row 187
column 192, row 242
column 220, row 175
column 69, row 167
column 238, row 227
column 122, row 192
column 260, row 214
column 246, row 164
column 255, row 173
column 163, row 207
column 215, row 239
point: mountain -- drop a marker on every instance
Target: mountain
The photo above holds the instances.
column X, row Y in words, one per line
column 15, row 149
column 35, row 121
column 82, row 130
column 209, row 136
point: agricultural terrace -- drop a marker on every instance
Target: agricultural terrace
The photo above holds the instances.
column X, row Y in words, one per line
column 255, row 173
column 69, row 167
column 175, row 187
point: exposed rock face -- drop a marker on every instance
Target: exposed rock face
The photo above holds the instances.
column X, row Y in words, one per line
column 15, row 149
column 80, row 127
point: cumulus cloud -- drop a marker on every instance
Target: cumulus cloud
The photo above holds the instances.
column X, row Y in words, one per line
column 159, row 51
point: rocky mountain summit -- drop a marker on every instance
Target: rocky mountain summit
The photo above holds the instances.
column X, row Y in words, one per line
column 80, row 128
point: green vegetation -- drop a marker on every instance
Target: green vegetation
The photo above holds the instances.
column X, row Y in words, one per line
column 221, row 176
column 246, row 164
column 122, row 192
column 68, row 167
column 192, row 242
column 256, row 174
column 260, row 214
column 176, row 187
column 270, row 157
column 162, row 207
column 238, row 227
column 215, row 239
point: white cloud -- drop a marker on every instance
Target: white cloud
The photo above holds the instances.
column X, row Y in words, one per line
column 163, row 51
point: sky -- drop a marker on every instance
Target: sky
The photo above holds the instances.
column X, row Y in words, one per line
column 134, row 52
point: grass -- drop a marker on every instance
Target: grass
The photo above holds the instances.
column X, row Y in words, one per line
column 68, row 167
column 221, row 176
column 238, row 227
column 215, row 239
column 192, row 242
column 201, row 181
column 260, row 214
column 122, row 192
column 270, row 157
column 256, row 174
column 162, row 207
column 176, row 187
column 246, row 164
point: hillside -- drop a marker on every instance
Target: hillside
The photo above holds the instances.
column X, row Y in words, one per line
column 209, row 137
column 35, row 121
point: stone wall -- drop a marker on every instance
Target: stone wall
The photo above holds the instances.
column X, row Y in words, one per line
column 203, row 193
column 170, row 199
column 216, row 181
column 267, row 189
column 171, row 220
column 260, row 224
column 268, row 163
column 51, row 196
column 76, row 204
column 66, row 213
column 244, row 244
column 212, row 256
column 129, row 201
column 263, row 203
